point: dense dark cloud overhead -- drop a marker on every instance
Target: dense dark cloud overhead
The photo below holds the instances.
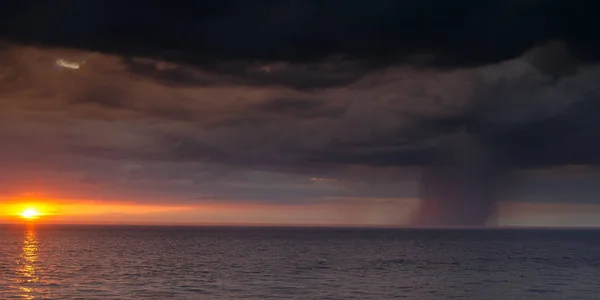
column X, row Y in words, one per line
column 437, row 32
column 387, row 118
column 283, row 101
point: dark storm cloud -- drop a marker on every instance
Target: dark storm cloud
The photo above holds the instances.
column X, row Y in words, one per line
column 177, row 99
column 555, row 59
column 304, row 76
column 174, row 75
column 391, row 117
column 432, row 32
column 328, row 73
column 300, row 108
column 568, row 138
column 526, row 120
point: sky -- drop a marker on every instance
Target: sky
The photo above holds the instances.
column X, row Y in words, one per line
column 425, row 113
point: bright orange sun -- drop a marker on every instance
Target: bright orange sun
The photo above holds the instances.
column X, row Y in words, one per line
column 30, row 213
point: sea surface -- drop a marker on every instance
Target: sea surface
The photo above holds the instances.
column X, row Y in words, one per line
column 111, row 262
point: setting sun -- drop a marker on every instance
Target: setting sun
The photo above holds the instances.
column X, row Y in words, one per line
column 30, row 213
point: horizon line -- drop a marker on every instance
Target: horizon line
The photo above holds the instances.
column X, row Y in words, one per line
column 324, row 226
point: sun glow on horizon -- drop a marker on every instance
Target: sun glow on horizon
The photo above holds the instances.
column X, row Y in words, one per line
column 86, row 211
column 30, row 213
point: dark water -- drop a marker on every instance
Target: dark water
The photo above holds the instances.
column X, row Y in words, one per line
column 51, row 262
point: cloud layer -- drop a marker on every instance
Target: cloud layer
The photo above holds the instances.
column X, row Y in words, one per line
column 378, row 32
column 290, row 102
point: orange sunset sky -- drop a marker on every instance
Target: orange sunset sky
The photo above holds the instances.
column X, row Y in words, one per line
column 342, row 212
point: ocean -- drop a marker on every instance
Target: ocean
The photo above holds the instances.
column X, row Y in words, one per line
column 120, row 262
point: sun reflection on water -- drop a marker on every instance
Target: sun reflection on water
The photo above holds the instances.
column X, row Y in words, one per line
column 27, row 269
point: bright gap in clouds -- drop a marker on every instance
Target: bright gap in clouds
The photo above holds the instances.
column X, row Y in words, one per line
column 68, row 64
